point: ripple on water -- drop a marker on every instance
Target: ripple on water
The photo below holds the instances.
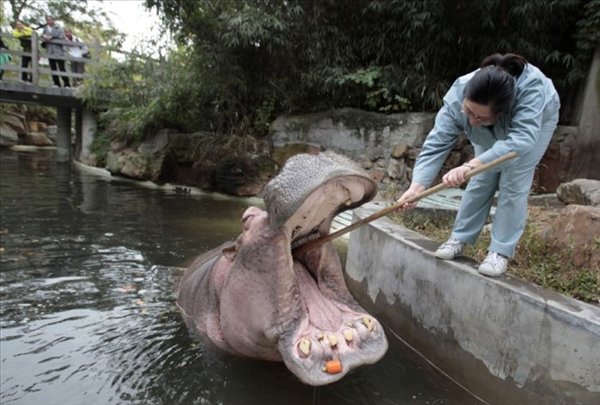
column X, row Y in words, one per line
column 87, row 317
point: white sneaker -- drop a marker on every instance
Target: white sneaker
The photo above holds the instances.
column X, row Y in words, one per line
column 494, row 265
column 450, row 249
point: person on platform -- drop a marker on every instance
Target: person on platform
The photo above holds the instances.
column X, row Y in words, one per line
column 507, row 105
column 53, row 32
column 4, row 57
column 77, row 50
column 23, row 33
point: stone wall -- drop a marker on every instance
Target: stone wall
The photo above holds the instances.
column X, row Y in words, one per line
column 387, row 145
column 16, row 130
column 230, row 165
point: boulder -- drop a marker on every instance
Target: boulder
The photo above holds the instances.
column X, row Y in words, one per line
column 400, row 150
column 15, row 121
column 576, row 231
column 36, row 139
column 396, row 169
column 145, row 161
column 580, row 191
column 243, row 176
column 190, row 159
column 8, row 136
column 283, row 153
column 554, row 166
column 51, row 131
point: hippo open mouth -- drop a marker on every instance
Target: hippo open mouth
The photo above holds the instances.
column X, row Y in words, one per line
column 254, row 298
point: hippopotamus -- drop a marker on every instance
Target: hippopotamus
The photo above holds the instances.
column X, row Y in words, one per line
column 253, row 297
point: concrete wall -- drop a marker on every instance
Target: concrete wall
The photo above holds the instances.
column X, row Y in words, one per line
column 505, row 340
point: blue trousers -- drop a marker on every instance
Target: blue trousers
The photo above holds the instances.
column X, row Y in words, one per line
column 513, row 182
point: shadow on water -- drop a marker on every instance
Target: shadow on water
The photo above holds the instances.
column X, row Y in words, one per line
column 87, row 272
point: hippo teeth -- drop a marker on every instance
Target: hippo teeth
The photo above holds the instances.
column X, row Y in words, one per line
column 305, row 239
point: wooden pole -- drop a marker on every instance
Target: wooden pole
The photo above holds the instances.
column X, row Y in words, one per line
column 425, row 193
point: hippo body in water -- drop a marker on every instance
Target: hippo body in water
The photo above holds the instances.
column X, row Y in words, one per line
column 252, row 298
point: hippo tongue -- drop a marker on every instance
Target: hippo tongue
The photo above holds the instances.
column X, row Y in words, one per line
column 322, row 313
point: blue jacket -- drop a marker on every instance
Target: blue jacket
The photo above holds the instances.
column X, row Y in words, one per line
column 516, row 130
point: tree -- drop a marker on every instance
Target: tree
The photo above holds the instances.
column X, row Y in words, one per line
column 89, row 21
column 241, row 63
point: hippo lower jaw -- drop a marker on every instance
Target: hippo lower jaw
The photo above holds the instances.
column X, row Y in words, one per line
column 330, row 330
column 329, row 326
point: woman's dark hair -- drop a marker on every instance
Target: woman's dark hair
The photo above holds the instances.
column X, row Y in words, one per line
column 494, row 84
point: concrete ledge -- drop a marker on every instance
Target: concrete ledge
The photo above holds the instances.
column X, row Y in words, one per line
column 505, row 340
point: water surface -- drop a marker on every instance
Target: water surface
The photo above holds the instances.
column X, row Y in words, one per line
column 87, row 316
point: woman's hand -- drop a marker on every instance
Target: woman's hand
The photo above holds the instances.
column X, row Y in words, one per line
column 456, row 176
column 413, row 190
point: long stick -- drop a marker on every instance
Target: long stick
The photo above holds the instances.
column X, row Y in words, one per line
column 425, row 193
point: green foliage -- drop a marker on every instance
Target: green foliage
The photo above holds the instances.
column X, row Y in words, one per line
column 100, row 147
column 392, row 55
column 241, row 63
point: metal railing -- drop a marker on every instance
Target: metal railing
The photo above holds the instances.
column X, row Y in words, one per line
column 38, row 70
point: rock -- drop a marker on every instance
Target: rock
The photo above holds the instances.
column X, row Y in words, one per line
column 90, row 160
column 365, row 164
column 467, row 153
column 556, row 163
column 377, row 175
column 351, row 132
column 51, row 131
column 8, row 136
column 282, row 153
column 15, row 122
column 576, row 230
column 155, row 144
column 580, row 191
column 150, row 160
column 189, row 148
column 453, row 160
column 396, row 169
column 242, row 176
column 128, row 163
column 400, row 150
column 204, row 174
column 37, row 139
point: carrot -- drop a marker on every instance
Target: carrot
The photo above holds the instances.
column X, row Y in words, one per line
column 333, row 366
